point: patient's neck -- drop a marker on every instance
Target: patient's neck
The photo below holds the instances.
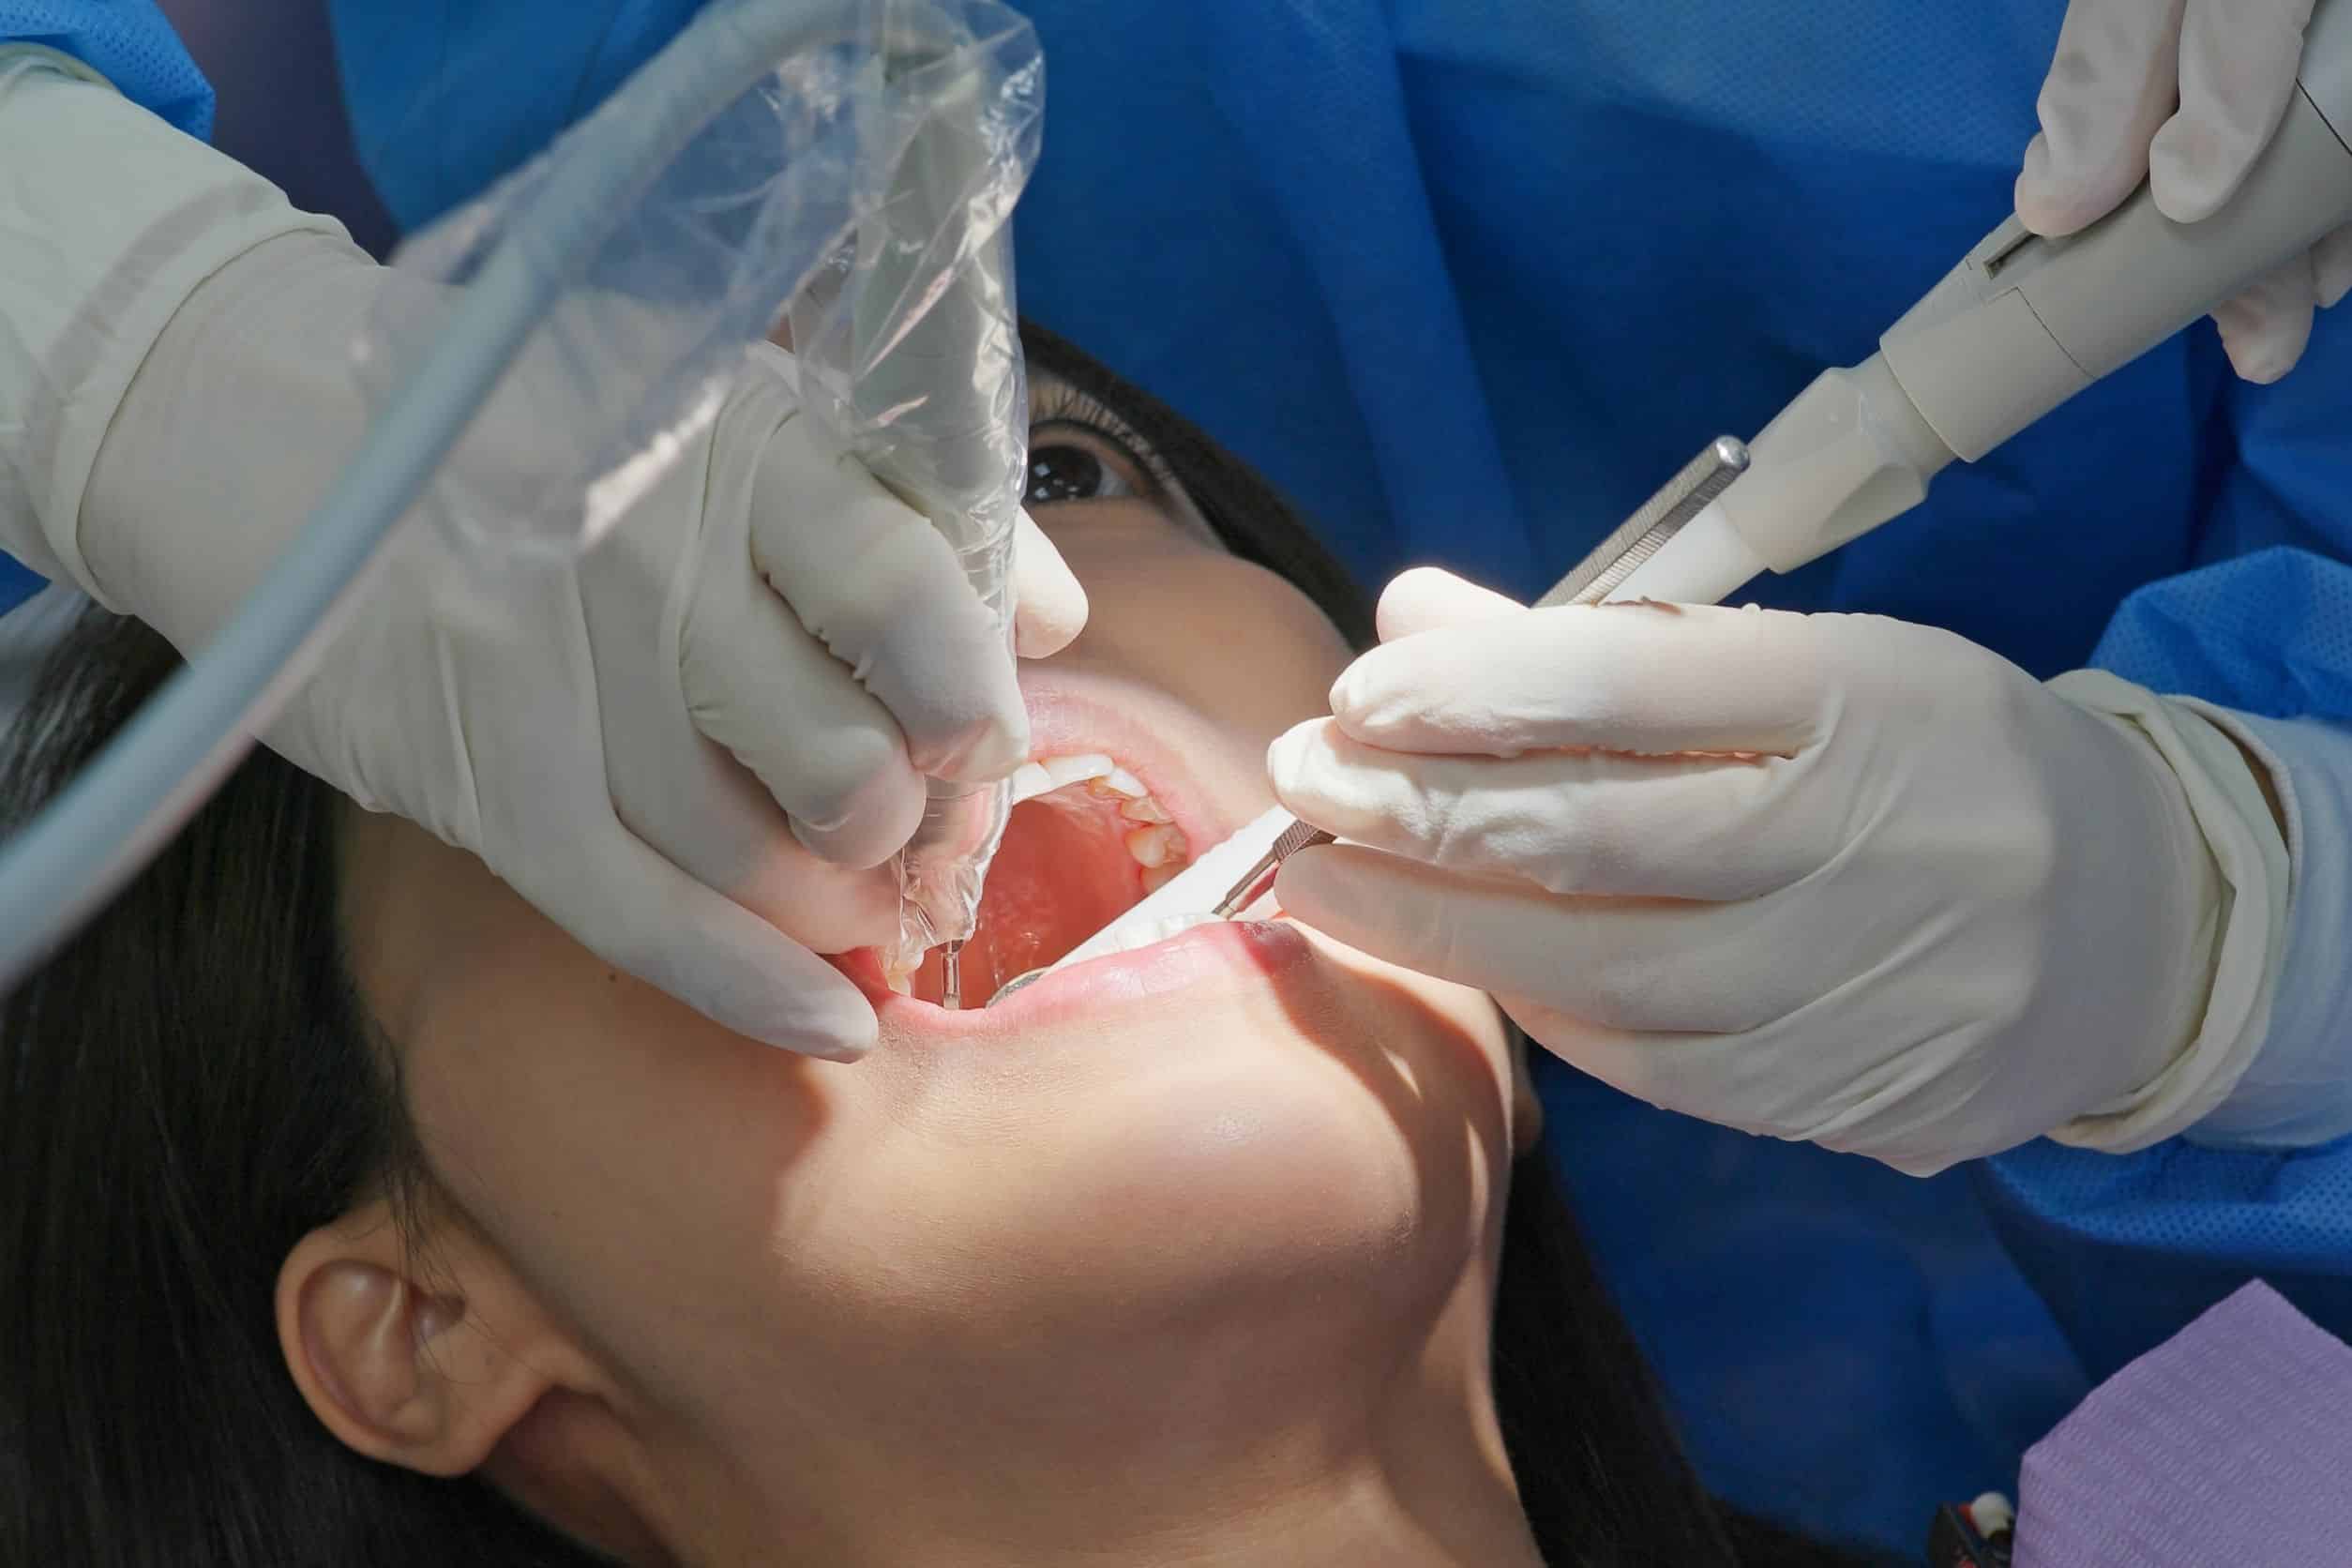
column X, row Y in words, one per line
column 1264, row 1447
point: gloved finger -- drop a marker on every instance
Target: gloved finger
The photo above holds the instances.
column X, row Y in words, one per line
column 1641, row 964
column 870, row 577
column 1568, row 823
column 2266, row 327
column 2111, row 81
column 733, row 744
column 759, row 685
column 1732, row 1079
column 1049, row 603
column 2331, row 266
column 638, row 912
column 1427, row 598
column 1643, row 678
column 716, row 819
column 2238, row 67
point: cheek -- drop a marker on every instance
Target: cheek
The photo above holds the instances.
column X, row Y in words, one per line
column 624, row 1155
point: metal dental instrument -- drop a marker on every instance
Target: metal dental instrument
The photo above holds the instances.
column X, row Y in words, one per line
column 951, row 967
column 924, row 398
column 1653, row 523
column 1633, row 542
column 1027, row 977
column 1297, row 836
column 1179, row 903
column 2021, row 324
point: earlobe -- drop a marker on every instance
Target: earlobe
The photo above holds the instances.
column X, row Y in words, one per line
column 399, row 1368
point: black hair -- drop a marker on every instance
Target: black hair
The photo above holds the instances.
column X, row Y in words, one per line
column 187, row 1089
column 190, row 1086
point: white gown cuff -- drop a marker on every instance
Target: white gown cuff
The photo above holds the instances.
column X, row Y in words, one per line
column 2297, row 1091
column 2250, row 853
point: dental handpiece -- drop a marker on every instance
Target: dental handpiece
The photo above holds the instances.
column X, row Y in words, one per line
column 922, row 374
column 2019, row 326
column 1652, row 525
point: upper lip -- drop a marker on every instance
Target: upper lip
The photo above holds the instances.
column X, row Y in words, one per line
column 1072, row 715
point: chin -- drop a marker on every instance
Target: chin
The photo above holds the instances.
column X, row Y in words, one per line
column 1329, row 1141
column 1246, row 1118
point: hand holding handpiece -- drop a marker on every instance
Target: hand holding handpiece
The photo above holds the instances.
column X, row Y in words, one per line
column 2185, row 94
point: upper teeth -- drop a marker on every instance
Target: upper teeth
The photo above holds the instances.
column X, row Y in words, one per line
column 1155, row 845
column 1158, row 845
column 1052, row 773
column 1143, row 808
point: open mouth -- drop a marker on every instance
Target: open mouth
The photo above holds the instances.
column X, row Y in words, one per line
column 1086, row 841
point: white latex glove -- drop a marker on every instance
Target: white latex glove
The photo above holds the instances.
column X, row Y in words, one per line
column 2185, row 94
column 1933, row 910
column 692, row 748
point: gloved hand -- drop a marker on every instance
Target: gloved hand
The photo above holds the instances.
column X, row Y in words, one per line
column 691, row 748
column 2185, row 94
column 1825, row 877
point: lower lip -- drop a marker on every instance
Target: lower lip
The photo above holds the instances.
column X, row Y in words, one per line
column 1213, row 954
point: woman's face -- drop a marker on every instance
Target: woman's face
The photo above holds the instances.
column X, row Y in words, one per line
column 1143, row 1204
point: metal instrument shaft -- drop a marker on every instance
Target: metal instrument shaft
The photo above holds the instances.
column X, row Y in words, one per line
column 1633, row 542
column 1297, row 836
column 950, row 970
column 1653, row 523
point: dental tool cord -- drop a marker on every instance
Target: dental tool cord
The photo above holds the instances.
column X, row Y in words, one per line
column 94, row 837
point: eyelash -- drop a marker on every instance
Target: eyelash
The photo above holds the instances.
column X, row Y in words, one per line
column 1057, row 402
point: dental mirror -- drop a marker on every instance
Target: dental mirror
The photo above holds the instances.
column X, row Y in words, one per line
column 1014, row 983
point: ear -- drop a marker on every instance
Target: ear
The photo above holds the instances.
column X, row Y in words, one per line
column 429, row 1373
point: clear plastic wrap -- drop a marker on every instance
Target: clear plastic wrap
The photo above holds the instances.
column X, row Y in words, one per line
column 910, row 352
column 865, row 181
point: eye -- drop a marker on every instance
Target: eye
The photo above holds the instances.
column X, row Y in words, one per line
column 1068, row 461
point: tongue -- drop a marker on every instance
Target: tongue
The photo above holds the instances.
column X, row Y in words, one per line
column 1061, row 874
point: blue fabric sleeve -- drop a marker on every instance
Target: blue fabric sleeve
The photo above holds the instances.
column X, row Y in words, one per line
column 2127, row 1248
column 2298, row 1091
column 17, row 584
column 443, row 99
column 126, row 41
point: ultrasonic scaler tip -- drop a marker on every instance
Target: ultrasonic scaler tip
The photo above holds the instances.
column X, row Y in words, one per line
column 951, row 971
column 1297, row 836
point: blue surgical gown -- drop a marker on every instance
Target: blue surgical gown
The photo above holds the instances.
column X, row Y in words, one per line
column 1469, row 280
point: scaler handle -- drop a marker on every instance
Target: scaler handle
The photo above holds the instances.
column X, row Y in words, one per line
column 2025, row 322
